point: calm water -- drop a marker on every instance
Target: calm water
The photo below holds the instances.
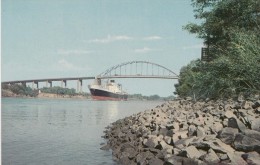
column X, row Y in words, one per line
column 60, row 131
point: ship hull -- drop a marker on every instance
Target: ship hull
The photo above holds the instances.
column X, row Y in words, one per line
column 99, row 94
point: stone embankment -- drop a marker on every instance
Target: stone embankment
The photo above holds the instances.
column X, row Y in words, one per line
column 182, row 132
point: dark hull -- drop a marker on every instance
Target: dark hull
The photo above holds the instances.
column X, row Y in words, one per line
column 98, row 94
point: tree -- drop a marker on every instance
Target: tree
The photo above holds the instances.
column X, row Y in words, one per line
column 231, row 29
column 234, row 72
column 220, row 17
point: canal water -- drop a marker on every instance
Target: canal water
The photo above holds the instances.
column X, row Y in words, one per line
column 60, row 131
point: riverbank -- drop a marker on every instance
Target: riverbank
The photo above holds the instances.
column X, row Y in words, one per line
column 52, row 95
column 8, row 93
column 184, row 132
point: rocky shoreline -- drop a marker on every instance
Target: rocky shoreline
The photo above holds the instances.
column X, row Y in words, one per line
column 184, row 132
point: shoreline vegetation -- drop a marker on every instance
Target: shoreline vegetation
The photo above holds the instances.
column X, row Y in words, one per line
column 230, row 31
column 17, row 90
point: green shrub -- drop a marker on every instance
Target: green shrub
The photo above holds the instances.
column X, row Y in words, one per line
column 235, row 71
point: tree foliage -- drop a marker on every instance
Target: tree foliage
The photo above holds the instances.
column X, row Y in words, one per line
column 220, row 17
column 20, row 90
column 232, row 28
column 59, row 90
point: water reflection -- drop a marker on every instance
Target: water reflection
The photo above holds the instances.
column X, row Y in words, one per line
column 106, row 112
column 112, row 110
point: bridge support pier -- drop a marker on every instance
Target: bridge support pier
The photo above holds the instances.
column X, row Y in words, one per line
column 79, row 86
column 48, row 84
column 63, row 82
column 37, row 84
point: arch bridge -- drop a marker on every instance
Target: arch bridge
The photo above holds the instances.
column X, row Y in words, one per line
column 138, row 69
column 133, row 69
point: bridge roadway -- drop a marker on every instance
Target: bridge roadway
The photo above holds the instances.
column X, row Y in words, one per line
column 50, row 80
column 138, row 76
column 47, row 79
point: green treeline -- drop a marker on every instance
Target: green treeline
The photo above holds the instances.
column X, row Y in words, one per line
column 59, row 90
column 231, row 31
column 28, row 91
column 151, row 97
column 20, row 90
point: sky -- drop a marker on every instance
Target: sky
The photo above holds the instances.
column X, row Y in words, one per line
column 65, row 38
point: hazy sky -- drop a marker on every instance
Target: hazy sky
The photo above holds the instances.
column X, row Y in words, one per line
column 70, row 38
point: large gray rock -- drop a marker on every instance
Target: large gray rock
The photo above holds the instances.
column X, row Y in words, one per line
column 178, row 160
column 227, row 135
column 200, row 131
column 256, row 104
column 151, row 142
column 255, row 124
column 252, row 133
column 217, row 127
column 191, row 152
column 163, row 131
column 168, row 140
column 180, row 135
column 223, row 157
column 229, row 114
column 246, row 144
column 246, row 104
column 236, row 123
column 126, row 161
column 192, row 130
column 199, row 121
column 236, row 158
column 217, row 145
column 105, row 147
column 176, row 126
column 166, row 146
column 184, row 142
column 211, row 157
column 155, row 161
column 252, row 158
column 143, row 156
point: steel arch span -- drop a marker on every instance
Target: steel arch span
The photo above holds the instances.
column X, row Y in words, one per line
column 138, row 69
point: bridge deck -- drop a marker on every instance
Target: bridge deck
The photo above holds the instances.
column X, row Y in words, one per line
column 138, row 76
column 48, row 79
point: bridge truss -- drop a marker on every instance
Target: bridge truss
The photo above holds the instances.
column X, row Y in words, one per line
column 138, row 69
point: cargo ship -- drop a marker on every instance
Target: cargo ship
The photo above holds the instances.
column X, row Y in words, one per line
column 108, row 91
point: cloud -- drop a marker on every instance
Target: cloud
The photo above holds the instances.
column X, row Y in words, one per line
column 110, row 38
column 63, row 64
column 151, row 38
column 197, row 46
column 75, row 52
column 145, row 50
